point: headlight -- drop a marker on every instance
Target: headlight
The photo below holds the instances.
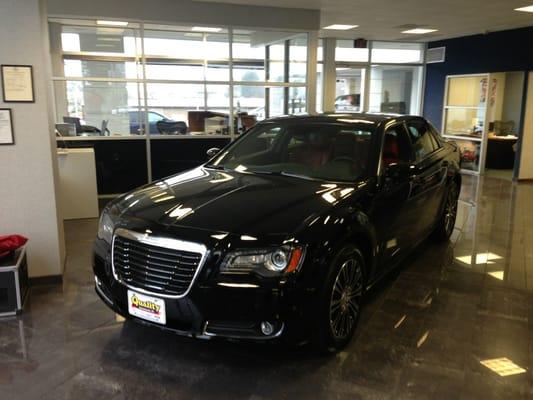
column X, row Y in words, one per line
column 283, row 259
column 106, row 226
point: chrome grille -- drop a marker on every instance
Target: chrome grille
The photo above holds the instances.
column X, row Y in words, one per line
column 161, row 266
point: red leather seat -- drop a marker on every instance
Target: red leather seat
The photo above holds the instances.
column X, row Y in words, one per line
column 391, row 150
column 314, row 153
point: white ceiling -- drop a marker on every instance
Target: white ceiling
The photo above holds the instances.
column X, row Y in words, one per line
column 385, row 19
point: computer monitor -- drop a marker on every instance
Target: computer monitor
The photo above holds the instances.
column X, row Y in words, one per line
column 66, row 129
column 75, row 121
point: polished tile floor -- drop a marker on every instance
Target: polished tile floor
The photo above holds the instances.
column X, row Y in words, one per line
column 454, row 322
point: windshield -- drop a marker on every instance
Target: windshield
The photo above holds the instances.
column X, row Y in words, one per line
column 327, row 151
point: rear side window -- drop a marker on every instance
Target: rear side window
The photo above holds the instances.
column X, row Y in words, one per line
column 421, row 138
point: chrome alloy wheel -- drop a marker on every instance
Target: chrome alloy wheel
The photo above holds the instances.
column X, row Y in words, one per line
column 450, row 211
column 345, row 300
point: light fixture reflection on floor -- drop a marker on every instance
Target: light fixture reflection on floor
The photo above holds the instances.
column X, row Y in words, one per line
column 497, row 274
column 422, row 339
column 481, row 258
column 503, row 366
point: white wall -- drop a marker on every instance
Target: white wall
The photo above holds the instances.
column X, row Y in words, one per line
column 28, row 169
column 512, row 101
column 526, row 161
column 496, row 109
column 190, row 12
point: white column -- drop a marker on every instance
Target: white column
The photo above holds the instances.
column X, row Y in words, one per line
column 329, row 76
column 312, row 60
column 29, row 167
column 375, row 90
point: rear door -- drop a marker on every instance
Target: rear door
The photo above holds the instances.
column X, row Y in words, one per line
column 428, row 182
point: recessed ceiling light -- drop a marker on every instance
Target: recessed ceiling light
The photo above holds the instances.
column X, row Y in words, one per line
column 205, row 29
column 419, row 31
column 111, row 23
column 525, row 9
column 340, row 27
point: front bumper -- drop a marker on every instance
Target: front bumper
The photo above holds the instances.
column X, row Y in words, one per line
column 216, row 307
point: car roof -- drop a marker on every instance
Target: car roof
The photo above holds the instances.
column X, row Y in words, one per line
column 375, row 118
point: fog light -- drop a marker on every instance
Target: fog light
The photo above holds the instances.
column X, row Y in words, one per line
column 267, row 328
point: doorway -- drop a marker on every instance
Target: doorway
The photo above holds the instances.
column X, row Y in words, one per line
column 504, row 123
column 525, row 170
column 483, row 115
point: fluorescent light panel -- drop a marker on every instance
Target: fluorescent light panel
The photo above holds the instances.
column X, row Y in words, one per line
column 205, row 29
column 111, row 23
column 419, row 31
column 340, row 27
column 525, row 9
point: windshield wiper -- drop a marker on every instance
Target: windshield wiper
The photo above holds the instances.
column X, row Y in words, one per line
column 299, row 176
column 282, row 173
column 253, row 171
column 217, row 167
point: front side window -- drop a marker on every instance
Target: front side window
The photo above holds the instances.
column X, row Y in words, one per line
column 423, row 143
column 325, row 151
column 396, row 146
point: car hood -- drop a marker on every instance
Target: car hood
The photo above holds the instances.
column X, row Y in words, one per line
column 233, row 202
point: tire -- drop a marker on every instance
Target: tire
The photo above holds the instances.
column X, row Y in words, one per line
column 446, row 222
column 340, row 301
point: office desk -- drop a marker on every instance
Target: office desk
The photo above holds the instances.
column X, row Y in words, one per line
column 500, row 152
column 122, row 162
column 77, row 183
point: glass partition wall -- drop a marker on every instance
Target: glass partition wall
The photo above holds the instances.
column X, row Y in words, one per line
column 171, row 80
column 377, row 77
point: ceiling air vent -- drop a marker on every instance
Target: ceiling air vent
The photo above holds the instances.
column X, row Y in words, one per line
column 435, row 55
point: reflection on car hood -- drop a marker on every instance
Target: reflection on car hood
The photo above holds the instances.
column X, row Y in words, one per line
column 234, row 202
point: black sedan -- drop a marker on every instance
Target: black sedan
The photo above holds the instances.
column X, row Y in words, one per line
column 281, row 232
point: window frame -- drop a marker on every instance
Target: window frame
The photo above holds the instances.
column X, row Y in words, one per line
column 369, row 65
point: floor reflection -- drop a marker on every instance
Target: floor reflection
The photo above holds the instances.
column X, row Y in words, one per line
column 453, row 322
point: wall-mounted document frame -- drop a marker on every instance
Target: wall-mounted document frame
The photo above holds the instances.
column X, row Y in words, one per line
column 17, row 83
column 6, row 127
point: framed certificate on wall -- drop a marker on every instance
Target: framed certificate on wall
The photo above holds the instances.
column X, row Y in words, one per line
column 17, row 83
column 6, row 127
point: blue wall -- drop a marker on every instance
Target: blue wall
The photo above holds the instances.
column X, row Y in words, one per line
column 494, row 52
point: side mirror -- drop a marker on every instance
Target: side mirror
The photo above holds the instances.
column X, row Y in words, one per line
column 213, row 151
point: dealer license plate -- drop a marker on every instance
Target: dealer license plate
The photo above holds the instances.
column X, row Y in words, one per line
column 147, row 307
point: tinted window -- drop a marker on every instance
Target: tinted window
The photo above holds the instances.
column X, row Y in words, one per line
column 329, row 151
column 421, row 138
column 396, row 146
